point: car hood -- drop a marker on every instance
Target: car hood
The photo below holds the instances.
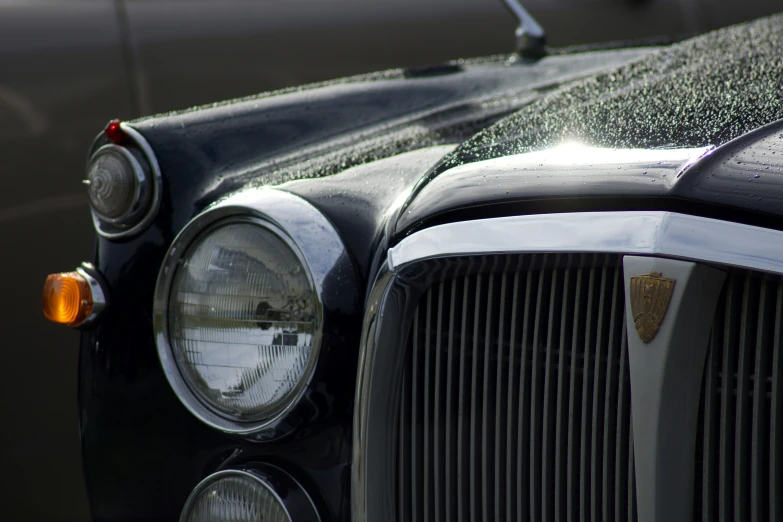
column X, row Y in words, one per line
column 700, row 93
column 320, row 130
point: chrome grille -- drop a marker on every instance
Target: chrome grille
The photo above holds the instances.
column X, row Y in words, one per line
column 515, row 400
column 740, row 431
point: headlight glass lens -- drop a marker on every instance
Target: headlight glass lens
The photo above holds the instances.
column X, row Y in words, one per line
column 234, row 498
column 243, row 315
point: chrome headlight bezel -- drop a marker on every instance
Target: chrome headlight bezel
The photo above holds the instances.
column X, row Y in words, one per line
column 317, row 246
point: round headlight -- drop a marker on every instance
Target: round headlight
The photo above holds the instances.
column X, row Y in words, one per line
column 241, row 303
column 242, row 319
column 235, row 496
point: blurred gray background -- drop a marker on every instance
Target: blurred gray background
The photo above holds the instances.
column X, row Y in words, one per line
column 68, row 66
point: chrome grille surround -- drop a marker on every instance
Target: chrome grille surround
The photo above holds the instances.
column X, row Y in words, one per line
column 399, row 287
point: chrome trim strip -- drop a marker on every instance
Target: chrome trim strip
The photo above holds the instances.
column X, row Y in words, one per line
column 99, row 298
column 667, row 234
column 320, row 250
column 157, row 190
column 382, row 311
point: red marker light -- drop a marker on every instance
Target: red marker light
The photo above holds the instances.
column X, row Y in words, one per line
column 115, row 133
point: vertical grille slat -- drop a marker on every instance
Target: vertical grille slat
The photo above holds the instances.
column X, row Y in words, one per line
column 461, row 428
column 710, row 417
column 502, row 384
column 610, row 396
column 759, row 415
column 451, row 454
column 776, row 423
column 436, row 447
column 415, row 440
column 535, row 399
column 403, row 483
column 587, row 385
column 474, row 493
column 427, row 424
column 560, row 475
column 741, row 456
column 547, row 457
column 523, row 410
column 486, row 464
column 514, row 378
column 738, row 440
column 509, row 367
column 632, row 513
column 726, row 474
column 596, row 423
column 572, row 477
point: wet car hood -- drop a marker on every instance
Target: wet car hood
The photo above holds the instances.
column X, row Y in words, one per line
column 702, row 92
column 320, row 130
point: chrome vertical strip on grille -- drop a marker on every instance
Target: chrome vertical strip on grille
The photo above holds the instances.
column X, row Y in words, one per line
column 523, row 409
column 587, row 385
column 499, row 488
column 534, row 448
column 451, row 455
column 472, row 446
column 415, row 444
column 463, row 386
column 512, row 333
column 584, row 282
column 512, row 449
column 427, row 491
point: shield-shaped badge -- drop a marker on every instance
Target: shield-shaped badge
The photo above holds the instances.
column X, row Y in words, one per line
column 650, row 297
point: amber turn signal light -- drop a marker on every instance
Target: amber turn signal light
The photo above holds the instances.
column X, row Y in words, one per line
column 67, row 298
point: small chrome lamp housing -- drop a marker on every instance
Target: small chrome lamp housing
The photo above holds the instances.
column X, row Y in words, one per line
column 260, row 492
column 123, row 184
column 239, row 310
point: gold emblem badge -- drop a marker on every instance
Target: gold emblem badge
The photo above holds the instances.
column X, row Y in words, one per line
column 650, row 297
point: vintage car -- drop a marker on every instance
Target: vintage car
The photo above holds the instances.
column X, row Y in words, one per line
column 67, row 66
column 545, row 287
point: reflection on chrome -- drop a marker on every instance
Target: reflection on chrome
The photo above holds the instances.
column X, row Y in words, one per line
column 568, row 170
column 574, row 153
column 653, row 233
